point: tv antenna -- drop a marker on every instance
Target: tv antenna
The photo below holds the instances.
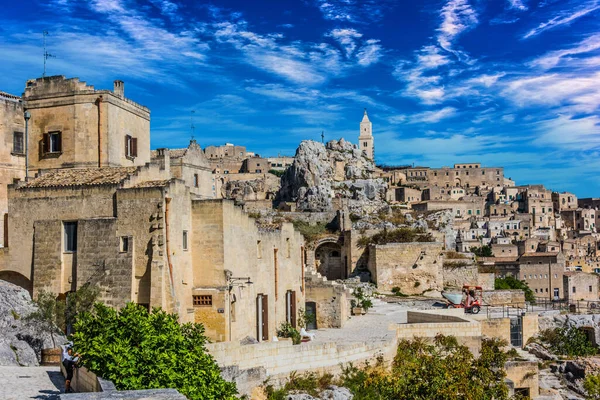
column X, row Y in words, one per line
column 46, row 54
column 192, row 127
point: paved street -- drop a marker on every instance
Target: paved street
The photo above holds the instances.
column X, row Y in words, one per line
column 18, row 383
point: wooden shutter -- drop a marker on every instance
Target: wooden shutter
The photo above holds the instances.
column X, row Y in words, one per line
column 134, row 147
column 5, row 230
column 59, row 142
column 126, row 146
column 293, row 308
column 46, row 143
column 265, row 317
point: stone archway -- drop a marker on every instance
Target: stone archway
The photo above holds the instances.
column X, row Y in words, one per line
column 329, row 260
column 17, row 279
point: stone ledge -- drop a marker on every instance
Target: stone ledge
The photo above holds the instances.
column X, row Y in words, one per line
column 158, row 394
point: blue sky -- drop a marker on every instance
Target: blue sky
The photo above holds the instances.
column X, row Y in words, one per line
column 513, row 83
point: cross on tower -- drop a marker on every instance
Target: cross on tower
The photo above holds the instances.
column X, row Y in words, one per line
column 322, row 136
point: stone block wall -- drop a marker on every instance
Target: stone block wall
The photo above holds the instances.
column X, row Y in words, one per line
column 524, row 375
column 530, row 326
column 496, row 328
column 333, row 304
column 486, row 280
column 413, row 267
column 47, row 258
column 457, row 273
column 503, row 297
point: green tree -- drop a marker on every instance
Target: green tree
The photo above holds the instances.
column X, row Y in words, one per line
column 80, row 301
column 591, row 384
column 510, row 282
column 483, row 251
column 568, row 341
column 137, row 349
column 49, row 315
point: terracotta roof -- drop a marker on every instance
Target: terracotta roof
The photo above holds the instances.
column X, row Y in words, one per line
column 81, row 177
column 540, row 254
column 173, row 153
column 152, row 184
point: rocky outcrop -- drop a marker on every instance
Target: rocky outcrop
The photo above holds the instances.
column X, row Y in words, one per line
column 339, row 170
column 263, row 188
column 20, row 342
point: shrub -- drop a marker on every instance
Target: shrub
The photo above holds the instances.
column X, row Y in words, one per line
column 400, row 235
column 286, row 330
column 455, row 264
column 362, row 300
column 49, row 315
column 455, row 255
column 483, row 251
column 512, row 283
column 277, row 172
column 591, row 384
column 137, row 349
column 311, row 232
column 568, row 341
column 398, row 292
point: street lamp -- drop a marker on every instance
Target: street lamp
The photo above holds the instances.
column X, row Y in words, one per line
column 27, row 116
column 231, row 283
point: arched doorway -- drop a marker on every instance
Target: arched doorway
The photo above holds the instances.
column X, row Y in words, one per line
column 328, row 257
column 17, row 279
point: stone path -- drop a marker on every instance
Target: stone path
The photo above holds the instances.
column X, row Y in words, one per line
column 19, row 383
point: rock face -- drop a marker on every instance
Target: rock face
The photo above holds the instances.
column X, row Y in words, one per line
column 338, row 170
column 262, row 188
column 20, row 342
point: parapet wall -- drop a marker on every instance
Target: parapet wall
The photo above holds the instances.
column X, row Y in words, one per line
column 503, row 297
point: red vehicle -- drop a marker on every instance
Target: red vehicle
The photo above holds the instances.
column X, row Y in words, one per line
column 470, row 299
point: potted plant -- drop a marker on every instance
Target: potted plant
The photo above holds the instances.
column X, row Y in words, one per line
column 363, row 302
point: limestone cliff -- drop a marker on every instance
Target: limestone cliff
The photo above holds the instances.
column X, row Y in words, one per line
column 337, row 172
column 20, row 343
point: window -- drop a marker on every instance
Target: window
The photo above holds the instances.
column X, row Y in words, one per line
column 574, row 289
column 130, row 146
column 204, row 300
column 124, row 247
column 590, row 288
column 482, row 172
column 70, row 244
column 196, row 180
column 258, row 249
column 185, row 240
column 18, row 147
column 555, row 276
column 365, row 144
column 52, row 142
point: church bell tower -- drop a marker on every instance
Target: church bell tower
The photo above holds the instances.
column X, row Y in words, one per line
column 365, row 138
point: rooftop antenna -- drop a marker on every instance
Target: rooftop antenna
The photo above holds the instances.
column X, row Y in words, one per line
column 192, row 127
column 46, row 54
column 323, row 137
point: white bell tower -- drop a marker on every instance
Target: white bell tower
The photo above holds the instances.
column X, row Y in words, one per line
column 365, row 138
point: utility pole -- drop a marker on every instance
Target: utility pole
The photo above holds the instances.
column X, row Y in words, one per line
column 46, row 54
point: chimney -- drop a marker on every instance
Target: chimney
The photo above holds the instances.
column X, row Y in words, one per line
column 164, row 159
column 119, row 89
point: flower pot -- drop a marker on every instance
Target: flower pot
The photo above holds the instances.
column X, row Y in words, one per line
column 358, row 311
column 51, row 357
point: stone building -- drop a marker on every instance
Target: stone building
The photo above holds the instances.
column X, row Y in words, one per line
column 12, row 153
column 256, row 165
column 467, row 176
column 280, row 163
column 104, row 209
column 226, row 159
column 544, row 273
column 564, row 201
column 580, row 286
column 407, row 195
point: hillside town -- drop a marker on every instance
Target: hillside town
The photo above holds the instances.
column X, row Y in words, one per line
column 354, row 256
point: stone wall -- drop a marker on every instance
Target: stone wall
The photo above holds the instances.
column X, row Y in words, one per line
column 503, row 297
column 524, row 375
column 580, row 286
column 486, row 280
column 496, row 328
column 333, row 304
column 413, row 267
column 457, row 273
column 530, row 326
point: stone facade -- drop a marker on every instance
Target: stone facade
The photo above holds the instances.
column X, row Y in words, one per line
column 365, row 138
column 580, row 286
column 413, row 267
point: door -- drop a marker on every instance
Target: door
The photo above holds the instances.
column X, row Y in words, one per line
column 311, row 309
column 556, row 297
column 516, row 331
column 262, row 317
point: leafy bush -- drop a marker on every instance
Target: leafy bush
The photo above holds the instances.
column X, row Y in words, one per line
column 442, row 370
column 286, row 330
column 137, row 349
column 512, row 283
column 400, row 235
column 483, row 251
column 398, row 292
column 305, row 318
column 49, row 315
column 309, row 382
column 591, row 384
column 362, row 300
column 568, row 341
column 311, row 232
column 455, row 255
column 276, row 172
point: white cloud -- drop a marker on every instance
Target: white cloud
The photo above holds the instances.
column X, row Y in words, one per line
column 568, row 133
column 517, row 5
column 346, row 38
column 457, row 17
column 563, row 19
column 370, row 53
column 485, row 80
column 433, row 116
column 553, row 58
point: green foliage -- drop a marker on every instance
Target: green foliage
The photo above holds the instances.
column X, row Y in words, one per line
column 362, row 300
column 591, row 384
column 15, row 314
column 483, row 251
column 311, row 232
column 455, row 264
column 455, row 255
column 286, row 330
column 568, row 341
column 136, row 349
column 80, row 301
column 49, row 315
column 510, row 282
column 400, row 235
column 310, row 383
column 277, row 172
column 442, row 370
column 398, row 292
column 305, row 318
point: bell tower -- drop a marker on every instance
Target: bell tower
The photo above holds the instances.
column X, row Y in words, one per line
column 365, row 138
